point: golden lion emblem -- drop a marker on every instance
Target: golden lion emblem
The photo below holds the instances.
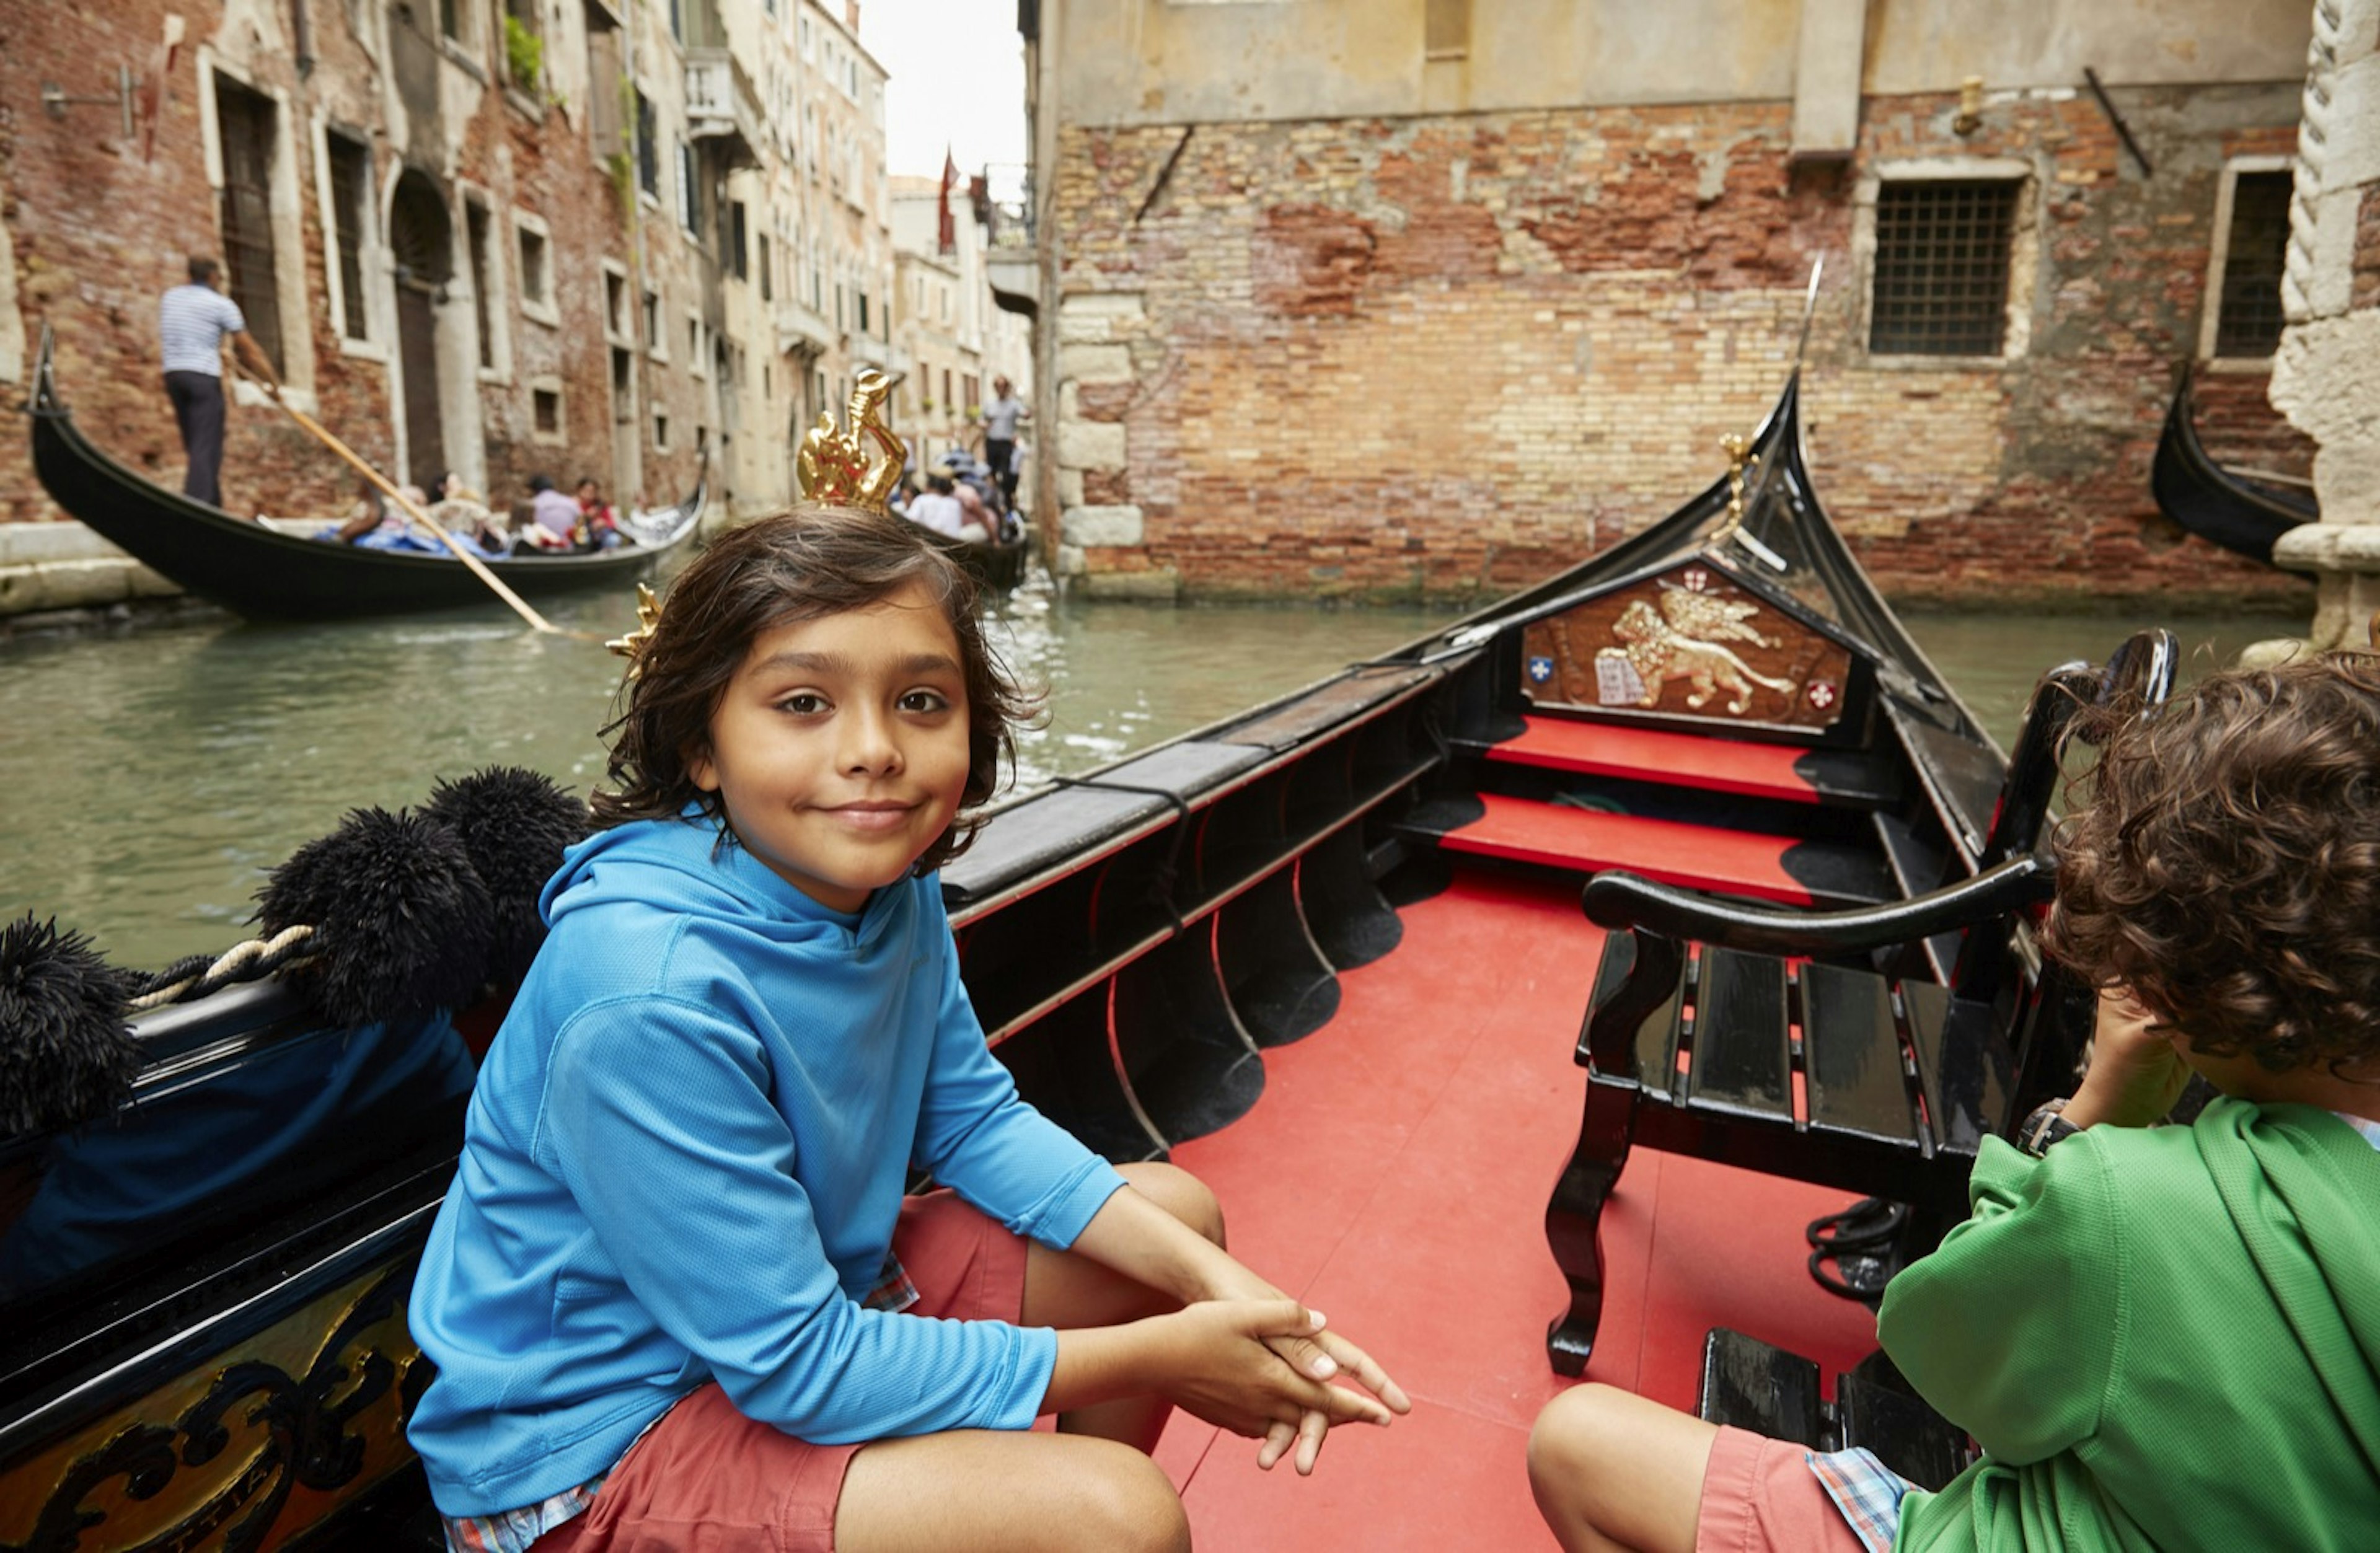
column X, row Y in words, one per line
column 1659, row 649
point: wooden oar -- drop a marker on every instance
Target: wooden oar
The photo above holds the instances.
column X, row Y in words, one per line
column 478, row 567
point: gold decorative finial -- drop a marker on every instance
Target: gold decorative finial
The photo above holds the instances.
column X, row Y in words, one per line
column 648, row 615
column 1738, row 461
column 833, row 466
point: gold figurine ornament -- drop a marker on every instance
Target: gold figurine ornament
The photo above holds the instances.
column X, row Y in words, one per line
column 1740, row 461
column 648, row 615
column 836, row 470
column 833, row 466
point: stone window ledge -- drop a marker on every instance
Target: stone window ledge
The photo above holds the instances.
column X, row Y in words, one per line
column 460, row 57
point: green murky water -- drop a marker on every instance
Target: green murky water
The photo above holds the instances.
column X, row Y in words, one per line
column 147, row 780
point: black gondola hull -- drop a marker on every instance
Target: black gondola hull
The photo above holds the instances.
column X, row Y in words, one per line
column 263, row 574
column 996, row 566
column 2243, row 515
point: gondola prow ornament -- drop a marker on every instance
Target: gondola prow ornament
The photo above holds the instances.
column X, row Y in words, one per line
column 833, row 465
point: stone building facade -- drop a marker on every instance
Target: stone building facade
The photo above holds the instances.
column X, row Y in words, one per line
column 938, row 297
column 2326, row 375
column 1433, row 296
column 496, row 236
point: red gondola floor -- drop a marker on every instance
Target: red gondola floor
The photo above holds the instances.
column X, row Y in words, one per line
column 1394, row 1174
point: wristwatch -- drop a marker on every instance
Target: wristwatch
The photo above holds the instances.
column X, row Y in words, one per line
column 2043, row 1127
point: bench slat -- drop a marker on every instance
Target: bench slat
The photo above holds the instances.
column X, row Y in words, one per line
column 1907, row 1435
column 1744, row 1059
column 1852, row 1057
column 1752, row 1386
column 1785, row 772
column 1657, row 1038
column 1964, row 1067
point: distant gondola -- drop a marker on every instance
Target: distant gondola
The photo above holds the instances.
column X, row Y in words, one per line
column 996, row 565
column 262, row 572
column 2234, row 511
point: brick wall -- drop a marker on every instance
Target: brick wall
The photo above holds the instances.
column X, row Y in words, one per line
column 1443, row 355
column 98, row 233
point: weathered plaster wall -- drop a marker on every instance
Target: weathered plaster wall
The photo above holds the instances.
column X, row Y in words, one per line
column 1132, row 62
column 1438, row 354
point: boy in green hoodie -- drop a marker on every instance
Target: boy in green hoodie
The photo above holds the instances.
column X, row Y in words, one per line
column 2163, row 1337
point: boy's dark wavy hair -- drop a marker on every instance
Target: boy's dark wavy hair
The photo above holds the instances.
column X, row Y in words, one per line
column 2227, row 865
column 805, row 565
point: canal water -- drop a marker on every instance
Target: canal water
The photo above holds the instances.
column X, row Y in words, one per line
column 148, row 781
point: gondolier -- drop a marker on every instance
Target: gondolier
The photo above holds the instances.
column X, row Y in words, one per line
column 1000, row 421
column 192, row 322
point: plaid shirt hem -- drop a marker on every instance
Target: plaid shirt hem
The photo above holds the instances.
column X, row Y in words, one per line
column 1865, row 1491
column 513, row 1531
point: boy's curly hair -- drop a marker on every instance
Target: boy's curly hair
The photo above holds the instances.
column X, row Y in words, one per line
column 2226, row 867
column 800, row 565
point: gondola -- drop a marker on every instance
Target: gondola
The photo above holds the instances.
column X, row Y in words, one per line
column 259, row 571
column 998, row 566
column 2243, row 515
column 1326, row 952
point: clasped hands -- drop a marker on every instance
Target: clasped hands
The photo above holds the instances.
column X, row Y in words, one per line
column 1252, row 1360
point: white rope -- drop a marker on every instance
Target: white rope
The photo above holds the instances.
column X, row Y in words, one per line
column 2314, row 149
column 228, row 967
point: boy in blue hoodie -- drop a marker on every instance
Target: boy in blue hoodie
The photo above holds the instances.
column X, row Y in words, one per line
column 676, row 1295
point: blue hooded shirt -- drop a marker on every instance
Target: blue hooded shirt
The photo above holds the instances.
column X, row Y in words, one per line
column 684, row 1160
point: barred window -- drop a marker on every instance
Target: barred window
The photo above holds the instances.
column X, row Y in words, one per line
column 649, row 156
column 475, row 222
column 350, row 194
column 1942, row 267
column 2248, row 321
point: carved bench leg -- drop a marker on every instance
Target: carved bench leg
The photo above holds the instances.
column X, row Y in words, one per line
column 1575, row 1218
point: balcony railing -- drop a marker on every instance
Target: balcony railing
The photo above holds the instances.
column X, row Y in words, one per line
column 721, row 103
column 802, row 328
column 1006, row 207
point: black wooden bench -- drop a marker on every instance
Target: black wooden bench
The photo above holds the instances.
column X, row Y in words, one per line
column 1752, row 1386
column 1706, row 1017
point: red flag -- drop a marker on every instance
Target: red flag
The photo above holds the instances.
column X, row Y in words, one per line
column 947, row 234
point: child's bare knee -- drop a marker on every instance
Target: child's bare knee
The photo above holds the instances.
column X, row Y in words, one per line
column 1180, row 1194
column 1128, row 1504
column 1567, row 1443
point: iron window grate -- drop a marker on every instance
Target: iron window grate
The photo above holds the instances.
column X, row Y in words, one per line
column 2249, row 322
column 1942, row 267
column 244, row 120
column 350, row 189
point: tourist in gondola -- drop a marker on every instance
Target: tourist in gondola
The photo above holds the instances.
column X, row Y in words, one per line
column 462, row 512
column 552, row 519
column 598, row 519
column 975, row 519
column 2162, row 1337
column 676, row 1295
column 938, row 508
column 369, row 513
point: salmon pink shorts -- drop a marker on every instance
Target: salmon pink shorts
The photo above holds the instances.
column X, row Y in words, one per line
column 706, row 1479
column 1759, row 1495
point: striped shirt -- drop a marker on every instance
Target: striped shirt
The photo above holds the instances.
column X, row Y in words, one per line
column 193, row 322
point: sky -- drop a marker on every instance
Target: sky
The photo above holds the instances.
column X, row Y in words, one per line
column 956, row 73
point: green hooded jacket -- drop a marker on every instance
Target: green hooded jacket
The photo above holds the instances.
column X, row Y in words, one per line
column 2165, row 1339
